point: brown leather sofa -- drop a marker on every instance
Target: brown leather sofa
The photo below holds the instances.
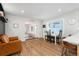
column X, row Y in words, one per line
column 13, row 46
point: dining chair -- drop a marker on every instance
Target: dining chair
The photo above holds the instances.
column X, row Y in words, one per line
column 58, row 37
column 68, row 49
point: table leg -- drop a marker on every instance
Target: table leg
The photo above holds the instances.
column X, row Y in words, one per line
column 55, row 40
column 44, row 37
column 77, row 50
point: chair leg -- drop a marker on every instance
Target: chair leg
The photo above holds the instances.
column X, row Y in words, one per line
column 60, row 41
column 18, row 53
column 67, row 52
column 63, row 51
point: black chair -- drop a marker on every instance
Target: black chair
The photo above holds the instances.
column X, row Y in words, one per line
column 48, row 36
column 58, row 37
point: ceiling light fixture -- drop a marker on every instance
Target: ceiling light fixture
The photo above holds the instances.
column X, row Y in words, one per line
column 59, row 10
column 22, row 11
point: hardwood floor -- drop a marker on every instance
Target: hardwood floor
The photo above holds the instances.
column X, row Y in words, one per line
column 40, row 47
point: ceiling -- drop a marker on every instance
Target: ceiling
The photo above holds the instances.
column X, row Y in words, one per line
column 39, row 10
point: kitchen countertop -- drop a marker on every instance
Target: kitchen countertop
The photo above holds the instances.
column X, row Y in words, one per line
column 74, row 39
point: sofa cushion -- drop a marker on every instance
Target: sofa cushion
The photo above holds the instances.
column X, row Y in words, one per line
column 1, row 41
column 10, row 48
column 13, row 38
column 5, row 38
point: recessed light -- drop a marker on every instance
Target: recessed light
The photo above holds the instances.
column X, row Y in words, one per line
column 59, row 10
column 22, row 11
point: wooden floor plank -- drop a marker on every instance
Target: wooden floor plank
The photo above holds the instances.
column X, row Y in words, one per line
column 40, row 47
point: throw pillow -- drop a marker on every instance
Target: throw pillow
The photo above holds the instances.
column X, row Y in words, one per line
column 5, row 38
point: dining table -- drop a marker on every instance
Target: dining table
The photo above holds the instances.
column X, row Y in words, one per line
column 74, row 39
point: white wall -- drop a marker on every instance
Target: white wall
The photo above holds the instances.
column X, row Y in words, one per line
column 70, row 28
column 20, row 31
column 67, row 27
